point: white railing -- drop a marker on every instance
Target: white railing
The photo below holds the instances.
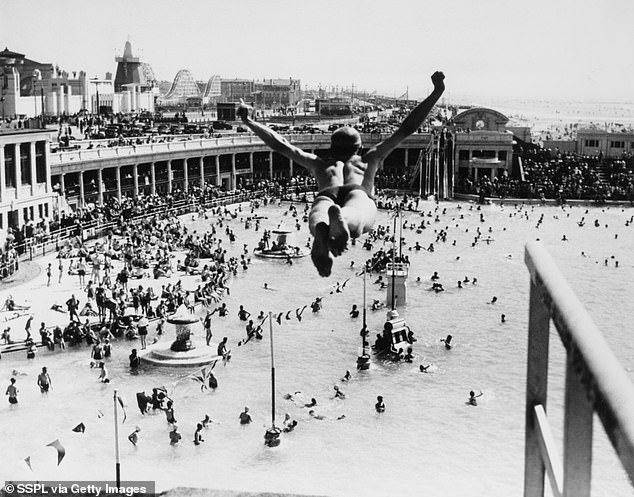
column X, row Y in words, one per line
column 93, row 154
column 595, row 383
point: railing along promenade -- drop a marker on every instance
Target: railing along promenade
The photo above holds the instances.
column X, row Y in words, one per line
column 315, row 140
column 595, row 383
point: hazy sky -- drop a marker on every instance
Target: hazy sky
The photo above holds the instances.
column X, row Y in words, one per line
column 534, row 49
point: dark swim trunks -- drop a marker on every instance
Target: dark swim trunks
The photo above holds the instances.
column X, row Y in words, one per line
column 338, row 194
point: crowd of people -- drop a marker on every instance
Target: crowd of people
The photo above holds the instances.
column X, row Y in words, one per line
column 549, row 175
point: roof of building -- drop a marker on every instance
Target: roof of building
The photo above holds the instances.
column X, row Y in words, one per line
column 6, row 53
column 481, row 110
column 277, row 82
column 4, row 132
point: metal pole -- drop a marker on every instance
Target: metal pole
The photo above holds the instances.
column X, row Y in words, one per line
column 393, row 261
column 272, row 371
column 420, row 173
column 400, row 237
column 116, row 441
column 365, row 270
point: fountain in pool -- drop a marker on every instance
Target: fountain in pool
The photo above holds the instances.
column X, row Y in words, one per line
column 184, row 352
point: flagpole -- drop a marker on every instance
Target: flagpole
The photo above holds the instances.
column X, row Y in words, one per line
column 272, row 372
column 420, row 173
column 116, row 441
column 394, row 258
column 365, row 270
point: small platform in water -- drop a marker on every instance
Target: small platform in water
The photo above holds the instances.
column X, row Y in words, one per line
column 281, row 248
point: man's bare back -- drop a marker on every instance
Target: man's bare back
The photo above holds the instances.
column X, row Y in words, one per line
column 355, row 170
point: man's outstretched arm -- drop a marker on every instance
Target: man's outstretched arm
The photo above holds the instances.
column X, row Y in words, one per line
column 274, row 140
column 412, row 122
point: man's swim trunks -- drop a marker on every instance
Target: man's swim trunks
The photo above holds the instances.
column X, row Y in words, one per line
column 338, row 194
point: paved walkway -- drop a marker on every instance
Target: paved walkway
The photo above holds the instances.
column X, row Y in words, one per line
column 28, row 271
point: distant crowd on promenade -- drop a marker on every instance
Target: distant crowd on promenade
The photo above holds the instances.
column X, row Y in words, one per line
column 549, row 175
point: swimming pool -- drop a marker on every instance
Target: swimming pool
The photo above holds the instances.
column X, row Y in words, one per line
column 428, row 441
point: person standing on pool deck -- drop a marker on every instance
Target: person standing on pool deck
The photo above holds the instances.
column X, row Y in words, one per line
column 345, row 205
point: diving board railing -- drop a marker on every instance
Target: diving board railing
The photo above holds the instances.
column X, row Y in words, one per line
column 595, row 383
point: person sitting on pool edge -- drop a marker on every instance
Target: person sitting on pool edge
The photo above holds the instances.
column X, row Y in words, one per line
column 344, row 206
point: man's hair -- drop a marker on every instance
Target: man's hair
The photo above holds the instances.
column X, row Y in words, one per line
column 345, row 141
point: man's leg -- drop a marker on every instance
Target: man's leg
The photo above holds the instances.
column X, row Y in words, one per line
column 352, row 220
column 318, row 221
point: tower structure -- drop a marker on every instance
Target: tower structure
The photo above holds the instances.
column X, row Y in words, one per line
column 130, row 71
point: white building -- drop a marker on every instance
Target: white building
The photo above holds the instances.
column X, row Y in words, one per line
column 25, row 178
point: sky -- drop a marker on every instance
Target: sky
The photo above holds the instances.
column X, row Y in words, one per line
column 533, row 50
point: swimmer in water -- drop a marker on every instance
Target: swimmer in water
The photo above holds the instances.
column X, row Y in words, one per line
column 347, row 376
column 447, row 342
column 198, row 438
column 380, row 405
column 44, row 381
column 175, row 437
column 338, row 393
column 103, row 376
column 409, row 356
column 289, row 423
column 312, row 403
column 312, row 414
column 134, row 436
column 472, row 397
column 245, row 417
column 423, row 369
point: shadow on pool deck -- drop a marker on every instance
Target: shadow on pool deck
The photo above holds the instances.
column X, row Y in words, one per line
column 28, row 271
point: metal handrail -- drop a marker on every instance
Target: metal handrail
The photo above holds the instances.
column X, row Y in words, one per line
column 595, row 383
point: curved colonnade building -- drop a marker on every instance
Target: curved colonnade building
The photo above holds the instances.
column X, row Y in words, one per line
column 481, row 146
column 94, row 175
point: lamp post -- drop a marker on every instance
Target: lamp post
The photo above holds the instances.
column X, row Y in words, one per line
column 37, row 76
column 96, row 83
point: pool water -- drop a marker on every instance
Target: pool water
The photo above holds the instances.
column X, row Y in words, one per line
column 428, row 441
